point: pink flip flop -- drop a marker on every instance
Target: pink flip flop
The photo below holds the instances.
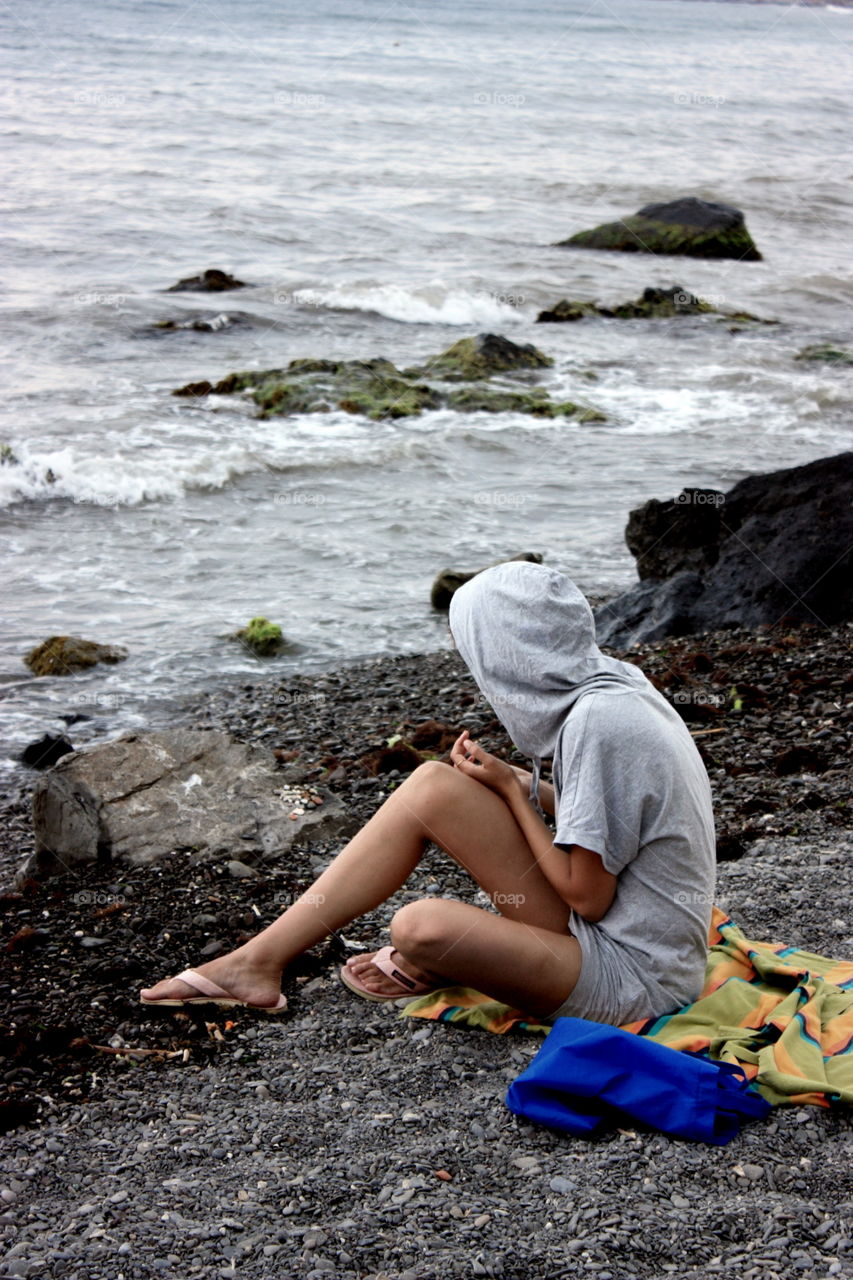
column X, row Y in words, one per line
column 210, row 993
column 382, row 959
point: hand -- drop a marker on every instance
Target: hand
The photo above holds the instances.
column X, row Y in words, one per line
column 469, row 758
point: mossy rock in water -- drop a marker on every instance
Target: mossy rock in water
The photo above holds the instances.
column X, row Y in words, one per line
column 379, row 390
column 825, row 352
column 654, row 304
column 263, row 637
column 470, row 359
column 568, row 310
column 696, row 228
column 536, row 402
column 384, row 398
column 8, row 457
column 375, row 388
column 63, row 655
column 280, row 396
column 661, row 303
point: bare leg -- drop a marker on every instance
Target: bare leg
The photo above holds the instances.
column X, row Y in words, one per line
column 436, row 803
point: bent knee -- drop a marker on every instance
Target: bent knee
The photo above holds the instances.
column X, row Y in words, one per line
column 432, row 784
column 432, row 774
column 419, row 930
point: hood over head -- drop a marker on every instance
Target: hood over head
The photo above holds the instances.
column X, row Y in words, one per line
column 527, row 635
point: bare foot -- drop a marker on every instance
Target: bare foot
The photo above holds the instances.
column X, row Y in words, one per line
column 233, row 973
column 377, row 982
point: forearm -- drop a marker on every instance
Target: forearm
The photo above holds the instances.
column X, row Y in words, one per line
column 577, row 874
column 553, row 863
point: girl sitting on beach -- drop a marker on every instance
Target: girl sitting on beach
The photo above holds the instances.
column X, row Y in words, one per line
column 604, row 918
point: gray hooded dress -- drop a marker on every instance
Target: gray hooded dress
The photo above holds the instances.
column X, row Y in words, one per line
column 629, row 783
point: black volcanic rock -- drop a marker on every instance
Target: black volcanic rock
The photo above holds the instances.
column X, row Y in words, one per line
column 776, row 548
column 46, row 751
column 213, row 280
column 681, row 533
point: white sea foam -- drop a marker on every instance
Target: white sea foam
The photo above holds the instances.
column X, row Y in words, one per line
column 429, row 304
column 124, row 474
column 119, row 476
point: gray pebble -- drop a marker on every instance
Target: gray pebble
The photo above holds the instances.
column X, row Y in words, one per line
column 239, row 870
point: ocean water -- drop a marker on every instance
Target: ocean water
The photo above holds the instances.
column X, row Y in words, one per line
column 388, row 178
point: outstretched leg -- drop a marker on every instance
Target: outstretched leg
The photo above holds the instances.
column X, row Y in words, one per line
column 436, row 803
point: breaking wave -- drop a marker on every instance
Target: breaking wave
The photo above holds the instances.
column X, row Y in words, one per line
column 429, row 304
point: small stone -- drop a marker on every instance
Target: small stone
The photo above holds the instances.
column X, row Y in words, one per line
column 239, row 870
column 753, row 1171
column 411, row 1117
column 562, row 1186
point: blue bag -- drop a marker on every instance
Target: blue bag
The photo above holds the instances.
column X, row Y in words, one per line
column 589, row 1076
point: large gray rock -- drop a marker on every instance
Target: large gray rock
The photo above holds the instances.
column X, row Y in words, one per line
column 776, row 548
column 143, row 796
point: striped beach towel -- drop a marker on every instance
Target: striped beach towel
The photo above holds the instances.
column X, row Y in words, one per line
column 784, row 1015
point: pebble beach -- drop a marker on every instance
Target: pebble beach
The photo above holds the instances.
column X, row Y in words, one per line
column 344, row 1141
